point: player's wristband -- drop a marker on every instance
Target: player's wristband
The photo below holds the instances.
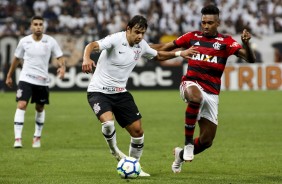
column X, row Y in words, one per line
column 177, row 53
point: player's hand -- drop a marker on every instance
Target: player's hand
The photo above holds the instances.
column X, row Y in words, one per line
column 87, row 65
column 61, row 72
column 188, row 53
column 9, row 82
column 245, row 36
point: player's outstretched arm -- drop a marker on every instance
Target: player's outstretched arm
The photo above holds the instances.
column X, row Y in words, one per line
column 246, row 53
column 187, row 54
column 9, row 80
column 163, row 46
column 88, row 63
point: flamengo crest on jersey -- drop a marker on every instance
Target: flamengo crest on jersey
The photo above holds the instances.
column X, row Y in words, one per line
column 207, row 66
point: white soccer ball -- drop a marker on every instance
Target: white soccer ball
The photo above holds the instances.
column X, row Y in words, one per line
column 128, row 167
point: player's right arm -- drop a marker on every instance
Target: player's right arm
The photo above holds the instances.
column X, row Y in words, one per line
column 14, row 65
column 88, row 63
column 164, row 46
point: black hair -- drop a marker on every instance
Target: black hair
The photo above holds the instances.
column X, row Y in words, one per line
column 210, row 10
column 138, row 20
column 37, row 18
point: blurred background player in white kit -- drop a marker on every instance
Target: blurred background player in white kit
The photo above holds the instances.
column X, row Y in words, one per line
column 107, row 94
column 35, row 50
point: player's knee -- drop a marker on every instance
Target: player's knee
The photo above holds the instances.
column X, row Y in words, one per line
column 195, row 97
column 39, row 108
column 137, row 133
column 22, row 105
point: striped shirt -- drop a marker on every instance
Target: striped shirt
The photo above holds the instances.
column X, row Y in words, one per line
column 206, row 68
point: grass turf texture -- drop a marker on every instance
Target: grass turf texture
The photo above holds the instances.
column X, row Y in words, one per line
column 247, row 148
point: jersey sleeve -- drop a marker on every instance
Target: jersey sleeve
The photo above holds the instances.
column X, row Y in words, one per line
column 108, row 42
column 233, row 46
column 19, row 52
column 148, row 53
column 183, row 41
column 56, row 50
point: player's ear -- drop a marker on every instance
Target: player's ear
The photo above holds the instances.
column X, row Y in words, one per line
column 218, row 22
column 127, row 28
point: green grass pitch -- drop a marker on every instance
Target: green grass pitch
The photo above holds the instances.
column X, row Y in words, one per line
column 247, row 147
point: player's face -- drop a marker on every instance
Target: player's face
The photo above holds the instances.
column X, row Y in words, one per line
column 209, row 24
column 37, row 27
column 135, row 35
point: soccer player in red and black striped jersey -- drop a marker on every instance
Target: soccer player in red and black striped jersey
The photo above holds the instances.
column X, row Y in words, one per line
column 200, row 86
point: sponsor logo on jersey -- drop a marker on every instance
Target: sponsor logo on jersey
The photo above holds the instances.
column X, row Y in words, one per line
column 219, row 38
column 234, row 44
column 204, row 57
column 36, row 77
column 110, row 89
column 199, row 36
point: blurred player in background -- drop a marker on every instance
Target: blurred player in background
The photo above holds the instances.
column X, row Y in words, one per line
column 107, row 94
column 35, row 50
column 200, row 86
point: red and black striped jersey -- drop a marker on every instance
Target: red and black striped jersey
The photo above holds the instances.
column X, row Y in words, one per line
column 206, row 68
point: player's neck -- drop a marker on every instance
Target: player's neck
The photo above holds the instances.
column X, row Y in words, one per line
column 37, row 37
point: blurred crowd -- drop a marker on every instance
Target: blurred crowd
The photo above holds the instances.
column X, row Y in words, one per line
column 98, row 18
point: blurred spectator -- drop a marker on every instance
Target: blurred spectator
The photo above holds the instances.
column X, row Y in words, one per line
column 9, row 28
column 98, row 18
column 39, row 6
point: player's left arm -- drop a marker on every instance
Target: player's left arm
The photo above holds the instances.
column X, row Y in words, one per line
column 62, row 67
column 186, row 54
column 246, row 53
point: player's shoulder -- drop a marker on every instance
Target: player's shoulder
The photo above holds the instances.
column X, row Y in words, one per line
column 115, row 38
column 224, row 36
column 192, row 33
column 47, row 37
column 26, row 38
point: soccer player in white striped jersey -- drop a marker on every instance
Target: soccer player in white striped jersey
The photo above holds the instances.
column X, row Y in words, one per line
column 35, row 50
column 107, row 94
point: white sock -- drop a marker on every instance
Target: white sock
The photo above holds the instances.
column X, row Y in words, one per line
column 109, row 132
column 39, row 122
column 18, row 123
column 136, row 147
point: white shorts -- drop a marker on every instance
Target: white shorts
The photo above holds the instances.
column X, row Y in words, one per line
column 209, row 105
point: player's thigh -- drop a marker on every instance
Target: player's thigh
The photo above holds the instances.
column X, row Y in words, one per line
column 40, row 95
column 209, row 108
column 101, row 105
column 24, row 91
column 125, row 110
column 190, row 91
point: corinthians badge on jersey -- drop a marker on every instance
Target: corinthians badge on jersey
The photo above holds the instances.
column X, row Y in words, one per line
column 137, row 53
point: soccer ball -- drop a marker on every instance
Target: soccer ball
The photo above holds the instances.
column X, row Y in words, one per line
column 128, row 167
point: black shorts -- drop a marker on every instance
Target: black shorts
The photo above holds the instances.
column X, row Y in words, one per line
column 121, row 104
column 38, row 94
